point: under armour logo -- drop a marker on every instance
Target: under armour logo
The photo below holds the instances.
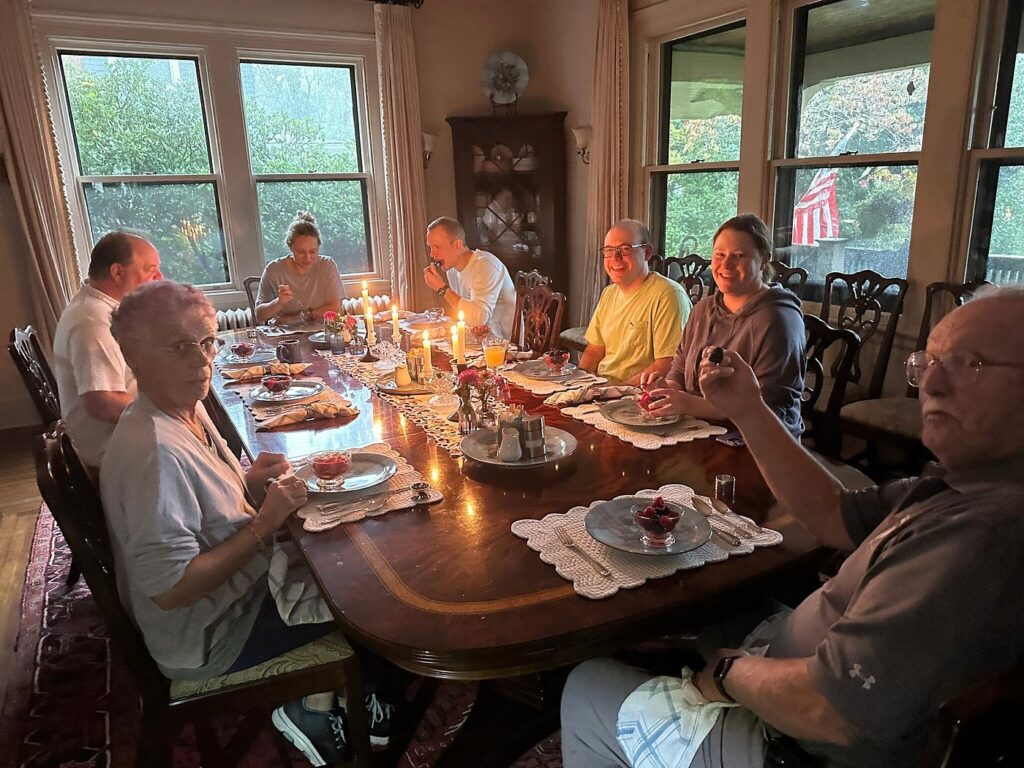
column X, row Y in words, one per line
column 868, row 681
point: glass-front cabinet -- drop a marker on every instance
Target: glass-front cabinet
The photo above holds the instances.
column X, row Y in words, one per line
column 510, row 190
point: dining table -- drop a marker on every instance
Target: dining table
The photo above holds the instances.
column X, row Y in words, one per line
column 448, row 591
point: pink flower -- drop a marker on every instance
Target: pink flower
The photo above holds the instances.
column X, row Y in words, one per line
column 350, row 322
column 470, row 377
column 330, row 317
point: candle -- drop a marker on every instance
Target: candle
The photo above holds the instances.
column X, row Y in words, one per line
column 462, row 337
column 371, row 337
column 428, row 365
column 366, row 297
column 456, row 349
column 395, row 336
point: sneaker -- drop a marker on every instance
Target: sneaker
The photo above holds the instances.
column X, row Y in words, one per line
column 379, row 714
column 320, row 736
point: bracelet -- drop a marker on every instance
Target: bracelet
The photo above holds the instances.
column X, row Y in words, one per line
column 260, row 544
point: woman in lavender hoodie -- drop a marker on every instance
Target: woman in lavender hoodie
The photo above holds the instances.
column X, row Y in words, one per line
column 761, row 321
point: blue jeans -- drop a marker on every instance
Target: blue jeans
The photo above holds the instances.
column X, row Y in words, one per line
column 271, row 637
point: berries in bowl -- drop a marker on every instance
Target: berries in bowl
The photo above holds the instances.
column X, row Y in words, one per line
column 277, row 384
column 657, row 521
column 330, row 467
column 242, row 351
column 556, row 359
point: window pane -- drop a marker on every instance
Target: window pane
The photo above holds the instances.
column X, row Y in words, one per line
column 705, row 97
column 181, row 220
column 1006, row 245
column 1015, row 115
column 300, row 118
column 340, row 211
column 846, row 219
column 862, row 83
column 695, row 205
column 136, row 115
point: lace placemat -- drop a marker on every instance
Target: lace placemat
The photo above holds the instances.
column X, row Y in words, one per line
column 399, row 495
column 683, row 431
column 545, row 388
column 264, row 411
column 627, row 569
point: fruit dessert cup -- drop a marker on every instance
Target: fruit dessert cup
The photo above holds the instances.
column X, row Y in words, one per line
column 657, row 520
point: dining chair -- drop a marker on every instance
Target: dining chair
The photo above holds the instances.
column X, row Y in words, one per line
column 538, row 317
column 690, row 272
column 35, row 371
column 252, row 287
column 531, row 279
column 820, row 376
column 793, row 278
column 325, row 664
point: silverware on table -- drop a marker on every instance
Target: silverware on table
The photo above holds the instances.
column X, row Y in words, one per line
column 723, row 539
column 567, row 540
column 752, row 528
column 333, row 507
column 719, row 524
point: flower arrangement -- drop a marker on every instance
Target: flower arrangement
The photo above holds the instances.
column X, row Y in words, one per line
column 331, row 324
column 485, row 383
column 351, row 322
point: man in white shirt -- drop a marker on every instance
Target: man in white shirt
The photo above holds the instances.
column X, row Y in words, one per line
column 475, row 282
column 94, row 383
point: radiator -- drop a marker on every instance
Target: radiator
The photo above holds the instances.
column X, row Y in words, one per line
column 232, row 319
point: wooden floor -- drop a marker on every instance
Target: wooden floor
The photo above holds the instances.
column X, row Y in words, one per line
column 19, row 507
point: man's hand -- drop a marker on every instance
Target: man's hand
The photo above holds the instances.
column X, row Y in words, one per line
column 731, row 386
column 284, row 294
column 435, row 278
column 283, row 497
column 705, row 679
column 652, row 380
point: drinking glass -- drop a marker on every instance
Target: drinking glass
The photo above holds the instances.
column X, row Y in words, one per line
column 434, row 314
column 725, row 489
column 442, row 384
column 494, row 351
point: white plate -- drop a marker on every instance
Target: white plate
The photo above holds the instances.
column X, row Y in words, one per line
column 627, row 413
column 611, row 523
column 538, row 369
column 480, row 445
column 421, row 323
column 367, row 470
column 386, row 383
column 300, row 390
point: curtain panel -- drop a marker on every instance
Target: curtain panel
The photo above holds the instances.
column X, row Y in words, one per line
column 30, row 155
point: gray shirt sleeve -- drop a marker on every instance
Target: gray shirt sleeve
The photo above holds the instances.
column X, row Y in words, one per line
column 865, row 509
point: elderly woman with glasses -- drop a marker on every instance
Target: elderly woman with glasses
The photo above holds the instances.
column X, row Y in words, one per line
column 189, row 528
column 761, row 321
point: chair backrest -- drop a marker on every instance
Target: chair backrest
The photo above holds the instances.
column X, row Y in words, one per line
column 538, row 317
column 75, row 505
column 531, row 279
column 793, row 278
column 820, row 337
column 978, row 728
column 689, row 271
column 861, row 298
column 35, row 372
column 955, row 295
column 252, row 287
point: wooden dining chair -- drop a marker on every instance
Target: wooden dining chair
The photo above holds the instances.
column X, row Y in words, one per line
column 325, row 664
column 690, row 272
column 531, row 279
column 35, row 371
column 793, row 278
column 252, row 288
column 841, row 345
column 538, row 317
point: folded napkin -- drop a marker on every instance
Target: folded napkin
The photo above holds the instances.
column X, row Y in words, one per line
column 259, row 371
column 321, row 409
column 588, row 395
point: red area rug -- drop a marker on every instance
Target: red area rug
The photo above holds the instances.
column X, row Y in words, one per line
column 72, row 703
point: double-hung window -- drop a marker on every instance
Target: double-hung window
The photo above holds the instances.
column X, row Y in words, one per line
column 694, row 185
column 846, row 172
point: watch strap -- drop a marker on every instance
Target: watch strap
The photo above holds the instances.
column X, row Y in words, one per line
column 721, row 670
column 442, row 291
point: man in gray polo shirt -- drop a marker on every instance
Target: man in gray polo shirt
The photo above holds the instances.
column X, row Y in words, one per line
column 927, row 605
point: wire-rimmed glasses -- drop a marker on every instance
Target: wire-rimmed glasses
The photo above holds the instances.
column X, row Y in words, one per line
column 957, row 365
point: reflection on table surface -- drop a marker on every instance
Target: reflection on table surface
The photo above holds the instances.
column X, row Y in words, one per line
column 449, row 591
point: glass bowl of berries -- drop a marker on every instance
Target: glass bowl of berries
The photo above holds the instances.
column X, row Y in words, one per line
column 242, row 351
column 656, row 521
column 277, row 385
column 556, row 359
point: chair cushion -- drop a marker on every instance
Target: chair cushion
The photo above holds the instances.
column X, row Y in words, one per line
column 896, row 415
column 328, row 649
column 575, row 338
column 854, row 393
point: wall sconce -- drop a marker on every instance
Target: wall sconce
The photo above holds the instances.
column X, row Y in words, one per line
column 582, row 136
column 428, row 148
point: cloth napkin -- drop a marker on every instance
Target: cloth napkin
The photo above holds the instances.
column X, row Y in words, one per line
column 321, row 409
column 259, row 371
column 588, row 395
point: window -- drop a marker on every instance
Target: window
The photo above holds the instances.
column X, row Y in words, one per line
column 997, row 235
column 144, row 158
column 846, row 180
column 694, row 187
column 302, row 129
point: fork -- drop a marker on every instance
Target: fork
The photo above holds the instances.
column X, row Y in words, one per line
column 569, row 543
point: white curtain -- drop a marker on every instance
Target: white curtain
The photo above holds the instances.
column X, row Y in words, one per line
column 608, row 189
column 403, row 147
column 30, row 156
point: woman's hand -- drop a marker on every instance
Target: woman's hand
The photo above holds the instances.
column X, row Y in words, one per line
column 669, row 401
column 730, row 386
column 283, row 497
column 266, row 466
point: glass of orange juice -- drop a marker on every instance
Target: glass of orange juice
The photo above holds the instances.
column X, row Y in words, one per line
column 494, row 351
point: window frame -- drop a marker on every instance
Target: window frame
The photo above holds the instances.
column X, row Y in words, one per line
column 219, row 52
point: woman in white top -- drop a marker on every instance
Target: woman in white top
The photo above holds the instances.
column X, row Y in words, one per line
column 302, row 285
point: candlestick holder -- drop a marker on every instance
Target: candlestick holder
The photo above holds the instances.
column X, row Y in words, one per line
column 369, row 357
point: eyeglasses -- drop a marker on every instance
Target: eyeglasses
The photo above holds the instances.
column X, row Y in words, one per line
column 208, row 346
column 955, row 364
column 622, row 251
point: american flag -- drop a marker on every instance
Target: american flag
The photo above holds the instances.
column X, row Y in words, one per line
column 816, row 214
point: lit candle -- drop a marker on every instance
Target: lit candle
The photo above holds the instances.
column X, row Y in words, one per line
column 455, row 344
column 371, row 337
column 428, row 365
column 394, row 324
column 462, row 336
column 366, row 297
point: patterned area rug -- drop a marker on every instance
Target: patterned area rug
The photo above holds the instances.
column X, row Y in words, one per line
column 72, row 703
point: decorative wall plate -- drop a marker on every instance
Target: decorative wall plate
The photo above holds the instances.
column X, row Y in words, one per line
column 504, row 77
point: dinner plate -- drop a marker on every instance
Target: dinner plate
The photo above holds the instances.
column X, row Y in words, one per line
column 627, row 412
column 367, row 470
column 421, row 323
column 259, row 357
column 538, row 369
column 481, row 446
column 299, row 390
column 611, row 523
column 386, row 383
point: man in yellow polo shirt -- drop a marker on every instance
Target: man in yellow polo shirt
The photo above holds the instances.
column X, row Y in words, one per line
column 640, row 317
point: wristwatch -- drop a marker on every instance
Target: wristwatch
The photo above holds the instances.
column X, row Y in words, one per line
column 721, row 670
column 442, row 291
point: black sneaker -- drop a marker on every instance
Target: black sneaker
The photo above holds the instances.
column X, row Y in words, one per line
column 379, row 715
column 320, row 736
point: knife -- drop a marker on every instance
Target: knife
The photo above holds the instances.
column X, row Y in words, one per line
column 713, row 518
column 752, row 528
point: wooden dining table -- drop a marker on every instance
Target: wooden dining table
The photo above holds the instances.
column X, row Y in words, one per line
column 447, row 590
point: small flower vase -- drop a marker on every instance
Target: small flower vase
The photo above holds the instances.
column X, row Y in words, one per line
column 487, row 417
column 468, row 421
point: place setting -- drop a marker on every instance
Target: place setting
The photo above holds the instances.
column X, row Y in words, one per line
column 551, row 372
